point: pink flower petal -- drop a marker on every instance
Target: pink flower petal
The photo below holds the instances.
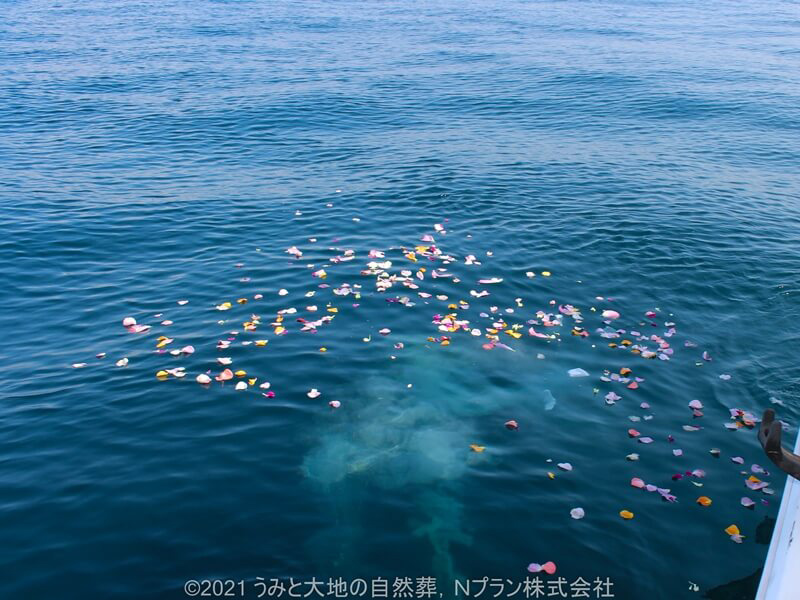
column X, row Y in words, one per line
column 225, row 375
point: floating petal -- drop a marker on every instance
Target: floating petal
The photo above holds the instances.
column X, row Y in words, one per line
column 578, row 373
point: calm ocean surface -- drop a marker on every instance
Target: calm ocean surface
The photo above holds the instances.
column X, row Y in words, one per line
column 639, row 151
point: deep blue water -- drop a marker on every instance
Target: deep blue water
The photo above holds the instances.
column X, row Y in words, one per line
column 639, row 151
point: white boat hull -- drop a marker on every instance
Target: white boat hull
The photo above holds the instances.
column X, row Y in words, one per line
column 781, row 577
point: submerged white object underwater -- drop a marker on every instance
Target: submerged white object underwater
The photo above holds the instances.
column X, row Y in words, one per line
column 398, row 440
column 549, row 400
column 411, row 443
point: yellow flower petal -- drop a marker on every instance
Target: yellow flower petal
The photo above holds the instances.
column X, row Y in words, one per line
column 626, row 514
column 732, row 530
column 476, row 448
column 704, row 501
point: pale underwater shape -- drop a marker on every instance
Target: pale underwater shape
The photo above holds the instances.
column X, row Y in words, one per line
column 400, row 445
column 392, row 438
column 548, row 399
column 391, row 441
